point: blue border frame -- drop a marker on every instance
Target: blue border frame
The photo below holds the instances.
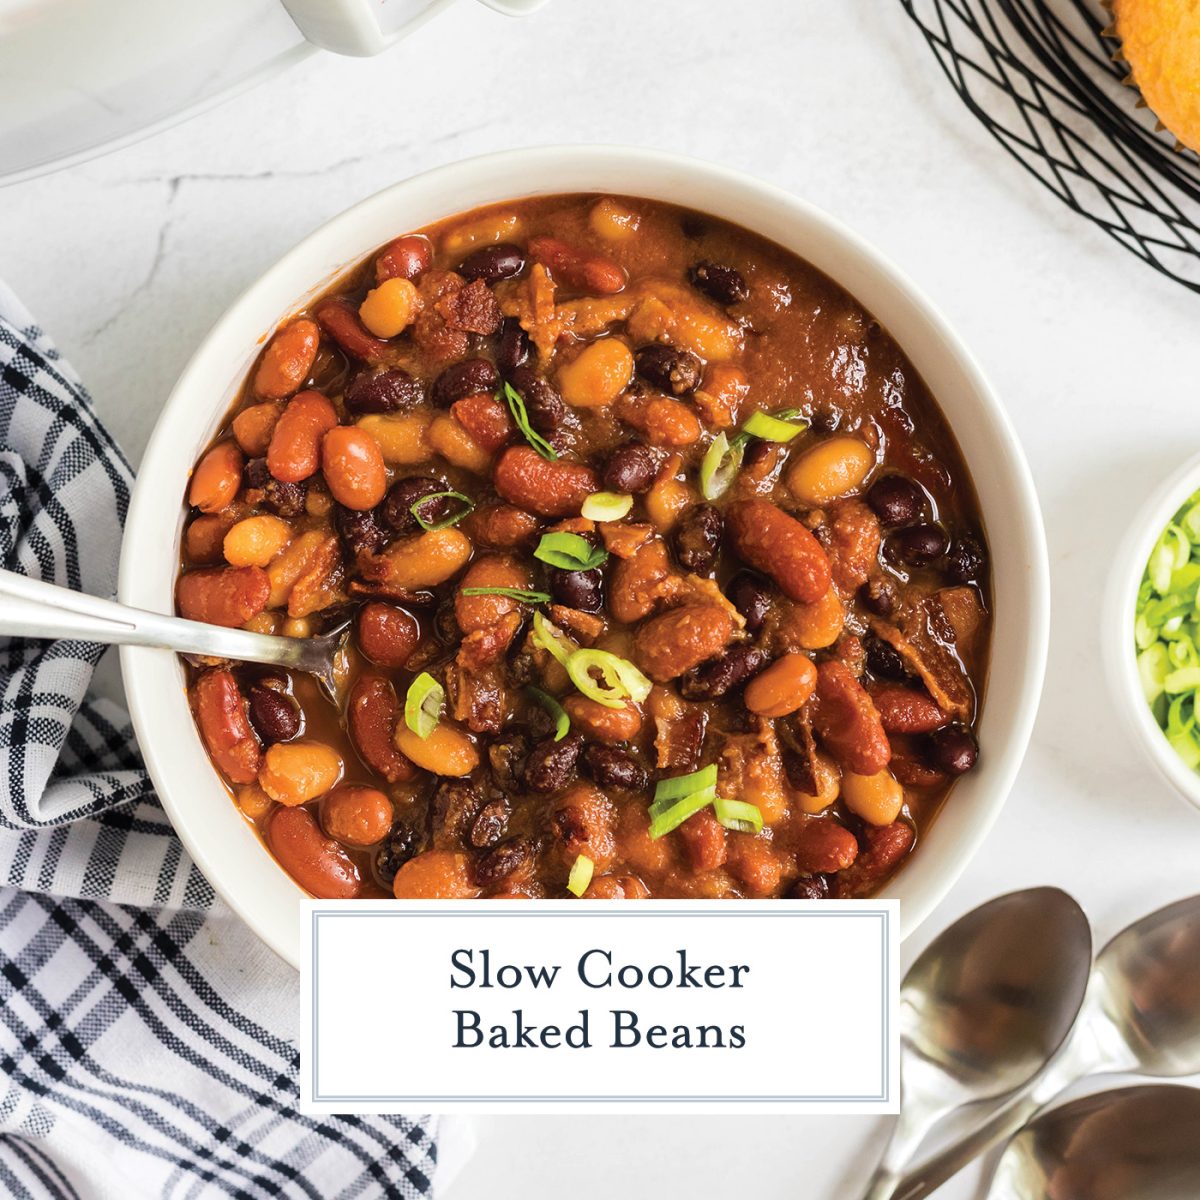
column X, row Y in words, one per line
column 884, row 1096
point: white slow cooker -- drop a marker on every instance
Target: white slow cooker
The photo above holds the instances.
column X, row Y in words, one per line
column 78, row 77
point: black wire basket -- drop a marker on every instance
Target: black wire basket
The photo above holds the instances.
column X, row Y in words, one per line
column 1041, row 76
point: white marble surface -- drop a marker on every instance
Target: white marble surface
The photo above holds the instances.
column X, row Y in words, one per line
column 129, row 259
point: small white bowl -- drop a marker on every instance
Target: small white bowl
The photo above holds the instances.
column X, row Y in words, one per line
column 1118, row 614
column 223, row 844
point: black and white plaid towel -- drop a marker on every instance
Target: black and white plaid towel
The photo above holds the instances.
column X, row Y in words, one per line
column 146, row 1036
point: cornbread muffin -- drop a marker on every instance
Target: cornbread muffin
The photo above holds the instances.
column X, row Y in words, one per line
column 1160, row 40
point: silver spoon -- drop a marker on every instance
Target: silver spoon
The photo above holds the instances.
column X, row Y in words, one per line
column 1135, row 1143
column 1141, row 1014
column 982, row 1010
column 30, row 608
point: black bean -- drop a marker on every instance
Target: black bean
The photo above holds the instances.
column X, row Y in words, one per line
column 583, row 590
column 750, row 594
column 502, row 861
column 514, row 347
column 396, row 507
column 551, row 765
column 546, row 409
column 610, row 766
column 631, row 469
column 918, row 545
column 507, row 759
column 489, row 826
column 398, row 847
column 712, row 680
column 884, row 661
column 812, row 887
column 393, row 390
column 880, row 596
column 965, row 559
column 284, row 499
column 669, row 368
column 718, row 282
column 493, row 263
column 464, row 378
column 452, row 812
column 952, row 749
column 799, row 772
column 359, row 531
column 896, row 500
column 698, row 539
column 273, row 713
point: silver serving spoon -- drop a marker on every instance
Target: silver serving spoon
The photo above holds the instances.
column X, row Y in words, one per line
column 1135, row 1143
column 982, row 1010
column 1141, row 1014
column 30, row 608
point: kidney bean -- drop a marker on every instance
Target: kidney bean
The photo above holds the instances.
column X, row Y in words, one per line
column 513, row 348
column 583, row 590
column 611, row 767
column 750, row 595
column 225, row 727
column 847, row 721
column 227, row 596
column 217, row 478
column 503, row 861
column 287, row 360
column 353, row 467
column 466, row 378
column 393, row 390
column 273, row 713
column 824, row 846
column 396, row 509
column 550, row 489
column 918, row 545
column 812, row 887
column 882, row 848
column 668, row 645
column 372, row 714
column 631, row 468
column 551, row 765
column 779, row 546
column 953, row 750
column 601, row 722
column 356, row 815
column 576, row 268
column 317, row 863
column 387, row 635
column 698, row 539
column 502, row 526
column 501, row 260
column 965, row 559
column 401, row 844
column 404, row 258
column 784, row 687
column 905, row 710
column 879, row 596
column 490, row 823
column 204, row 538
column 338, row 318
column 488, row 422
column 897, row 500
column 435, row 875
column 295, row 450
column 720, row 283
column 360, row 531
column 669, row 368
column 723, row 675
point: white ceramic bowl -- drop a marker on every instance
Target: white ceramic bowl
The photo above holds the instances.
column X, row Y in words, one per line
column 1120, row 656
column 223, row 845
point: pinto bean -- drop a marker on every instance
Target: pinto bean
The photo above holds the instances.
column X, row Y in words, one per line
column 404, row 258
column 217, row 478
column 597, row 375
column 253, row 426
column 486, row 420
column 295, row 450
column 847, row 721
column 446, row 751
column 576, row 268
column 665, row 422
column 601, row 722
column 317, row 863
column 783, row 687
column 227, row 596
column 779, row 546
column 287, row 360
column 436, row 875
column 905, row 710
column 503, row 526
column 832, row 468
column 426, row 560
column 684, row 637
column 550, row 489
column 294, row 773
column 224, row 723
column 823, row 846
column 372, row 715
column 387, row 635
column 353, row 467
column 482, row 612
column 356, row 816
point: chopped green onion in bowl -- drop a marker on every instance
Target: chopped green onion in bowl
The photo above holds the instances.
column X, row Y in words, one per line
column 719, row 466
column 738, row 815
column 516, row 406
column 523, row 594
column 569, row 552
column 606, row 506
column 547, row 636
column 581, row 875
column 468, row 506
column 424, row 704
column 779, row 428
column 562, row 722
column 619, row 680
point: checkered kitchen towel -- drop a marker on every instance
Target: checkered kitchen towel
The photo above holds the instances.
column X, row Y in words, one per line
column 146, row 1037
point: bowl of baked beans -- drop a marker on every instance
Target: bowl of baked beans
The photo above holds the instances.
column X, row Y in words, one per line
column 684, row 549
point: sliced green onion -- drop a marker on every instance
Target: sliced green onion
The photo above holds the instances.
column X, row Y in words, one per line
column 684, row 785
column 523, row 594
column 547, row 636
column 606, row 506
column 619, row 679
column 516, row 406
column 738, row 815
column 773, row 429
column 452, row 519
column 581, row 875
column 570, row 552
column 677, row 812
column 720, row 464
column 562, row 723
column 424, row 704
